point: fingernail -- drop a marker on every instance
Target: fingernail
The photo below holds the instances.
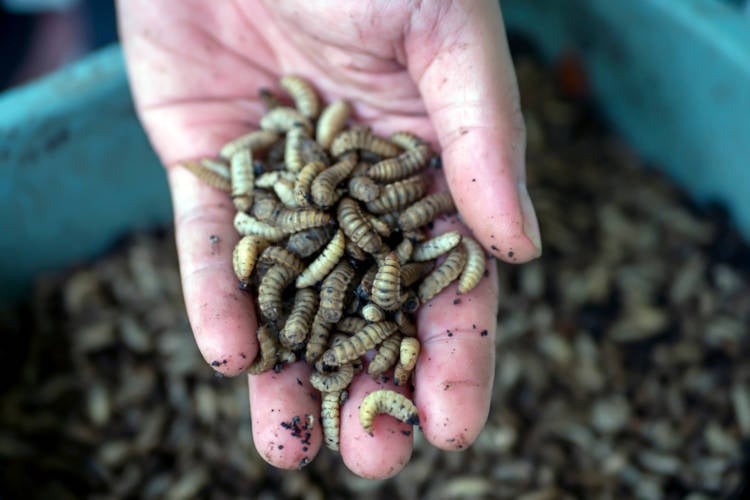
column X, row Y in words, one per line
column 530, row 224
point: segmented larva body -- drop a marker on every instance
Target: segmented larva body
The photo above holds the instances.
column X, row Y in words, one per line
column 245, row 255
column 304, row 181
column 425, row 210
column 404, row 165
column 331, row 121
column 437, row 246
column 356, row 227
column 297, row 326
column 305, row 98
column 388, row 402
column 285, row 356
column 257, row 141
column 353, row 251
column 476, row 263
column 284, row 189
column 293, row 149
column 208, row 175
column 360, row 137
column 363, row 188
column 309, row 241
column 336, row 380
column 398, row 195
column 333, row 291
column 364, row 289
column 311, row 151
column 405, row 325
column 404, row 250
column 247, row 224
column 327, row 260
column 276, row 279
column 443, row 275
column 330, row 418
column 378, row 225
column 279, row 255
column 266, row 180
column 293, row 221
column 350, row 324
column 267, row 351
column 386, row 286
column 283, row 119
column 242, row 176
column 406, row 140
column 372, row 313
column 358, row 344
column 408, row 354
column 386, row 356
column 323, row 189
column 318, row 340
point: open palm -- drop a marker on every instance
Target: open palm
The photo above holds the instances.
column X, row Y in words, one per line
column 440, row 69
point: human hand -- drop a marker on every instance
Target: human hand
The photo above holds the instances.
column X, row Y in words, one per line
column 439, row 69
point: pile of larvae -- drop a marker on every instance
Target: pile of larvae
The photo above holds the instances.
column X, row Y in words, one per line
column 333, row 222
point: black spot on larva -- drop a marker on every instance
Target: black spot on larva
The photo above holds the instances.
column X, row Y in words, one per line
column 483, row 333
column 456, row 302
column 215, row 363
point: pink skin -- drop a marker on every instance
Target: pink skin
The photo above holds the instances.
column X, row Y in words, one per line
column 440, row 69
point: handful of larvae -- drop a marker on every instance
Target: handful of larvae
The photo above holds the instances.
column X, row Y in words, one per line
column 333, row 220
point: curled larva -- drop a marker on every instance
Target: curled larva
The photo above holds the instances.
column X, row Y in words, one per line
column 404, row 250
column 333, row 291
column 437, row 246
column 363, row 188
column 257, row 141
column 304, row 180
column 425, row 210
column 403, row 165
column 360, row 137
column 405, row 325
column 389, row 402
column 318, row 340
column 208, row 175
column 293, row 221
column 297, row 325
column 284, row 189
column 443, row 275
column 398, row 195
column 330, row 417
column 283, row 119
column 293, row 149
column 331, row 121
column 279, row 255
column 358, row 344
column 245, row 254
column 386, row 356
column 476, row 263
column 309, row 241
column 372, row 313
column 305, row 98
column 247, row 224
column 336, row 380
column 242, row 176
column 268, row 179
column 323, row 189
column 350, row 324
column 386, row 286
column 276, row 279
column 267, row 351
column 356, row 227
column 322, row 265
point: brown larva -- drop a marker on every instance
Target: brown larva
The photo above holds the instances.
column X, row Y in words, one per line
column 443, row 275
column 331, row 121
column 437, row 246
column 360, row 137
column 425, row 210
column 276, row 279
column 363, row 188
column 378, row 225
column 404, row 250
column 476, row 263
column 364, row 289
column 242, row 176
column 405, row 325
column 305, row 98
column 403, row 165
column 358, row 344
column 323, row 189
column 266, row 180
column 398, row 195
column 284, row 189
column 327, row 260
column 279, row 255
column 389, row 402
column 350, row 324
column 304, row 181
column 297, row 326
column 245, row 254
column 293, row 221
column 356, row 227
column 386, row 286
column 247, row 224
column 372, row 313
column 257, row 141
column 267, row 351
column 283, row 119
column 386, row 356
column 408, row 354
column 336, row 380
column 333, row 291
column 406, row 140
column 330, row 418
column 293, row 149
column 309, row 241
column 208, row 175
column 318, row 340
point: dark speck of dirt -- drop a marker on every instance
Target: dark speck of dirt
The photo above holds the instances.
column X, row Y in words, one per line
column 213, row 238
column 510, row 254
column 224, row 361
column 406, row 433
column 483, row 333
column 430, row 225
column 456, row 302
column 281, row 447
column 486, row 273
column 304, row 461
column 493, row 247
column 474, row 180
column 304, row 448
column 473, row 326
column 299, row 382
column 215, row 363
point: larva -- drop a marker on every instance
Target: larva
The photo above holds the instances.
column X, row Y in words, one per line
column 391, row 219
column 331, row 121
column 322, row 265
column 404, row 250
column 413, row 271
column 408, row 354
column 353, row 251
column 257, row 141
column 323, row 189
column 297, row 326
column 304, row 180
column 406, row 140
column 242, row 177
column 425, row 210
column 443, row 275
column 247, row 224
column 437, row 246
column 268, row 99
column 285, row 356
column 292, row 221
column 398, row 195
column 330, row 418
column 268, row 179
column 336, row 380
column 267, row 351
column 386, row 356
column 360, row 137
column 378, row 225
column 389, row 402
column 417, row 235
column 386, row 286
column 409, row 301
column 245, row 254
column 372, row 313
column 405, row 325
column 209, row 176
column 403, row 165
column 283, row 119
column 284, row 189
column 293, row 149
column 364, row 289
column 276, row 279
column 305, row 99
column 358, row 344
column 316, row 344
column 356, row 227
column 311, row 151
column 363, row 188
column 307, row 242
column 350, row 324
column 279, row 255
column 475, row 265
column 333, row 291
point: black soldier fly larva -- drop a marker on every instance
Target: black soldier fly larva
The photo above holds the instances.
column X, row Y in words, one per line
column 305, row 98
column 389, row 402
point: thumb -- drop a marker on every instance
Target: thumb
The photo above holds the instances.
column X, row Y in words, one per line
column 465, row 75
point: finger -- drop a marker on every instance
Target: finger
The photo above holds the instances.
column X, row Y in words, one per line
column 285, row 411
column 468, row 84
column 455, row 369
column 382, row 454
